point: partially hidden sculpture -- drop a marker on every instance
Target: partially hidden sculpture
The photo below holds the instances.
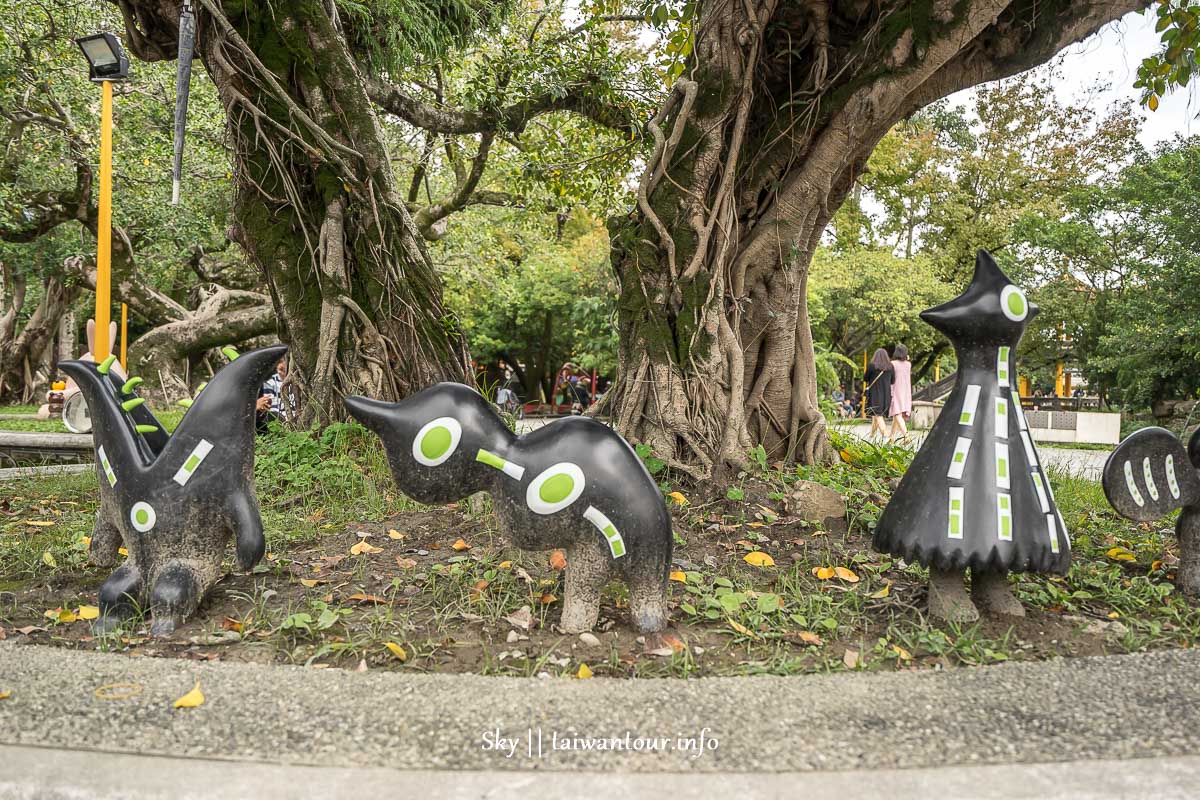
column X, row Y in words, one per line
column 976, row 496
column 173, row 500
column 1150, row 475
column 573, row 484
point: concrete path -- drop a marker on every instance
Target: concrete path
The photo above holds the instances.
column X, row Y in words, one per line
column 1081, row 463
column 1090, row 713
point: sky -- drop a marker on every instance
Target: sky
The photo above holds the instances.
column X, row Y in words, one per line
column 1111, row 58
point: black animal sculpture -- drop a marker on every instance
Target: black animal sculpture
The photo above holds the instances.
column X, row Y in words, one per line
column 1150, row 475
column 976, row 496
column 573, row 483
column 173, row 500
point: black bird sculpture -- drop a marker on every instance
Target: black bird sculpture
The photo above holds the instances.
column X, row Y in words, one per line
column 173, row 500
column 976, row 496
column 1150, row 475
column 573, row 483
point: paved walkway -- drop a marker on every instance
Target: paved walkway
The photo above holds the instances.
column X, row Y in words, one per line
column 1082, row 463
column 1087, row 712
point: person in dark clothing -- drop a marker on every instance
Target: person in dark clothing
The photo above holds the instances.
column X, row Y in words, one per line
column 879, row 392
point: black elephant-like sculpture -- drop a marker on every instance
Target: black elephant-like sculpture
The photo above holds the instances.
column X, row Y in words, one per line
column 1152, row 474
column 573, row 484
column 173, row 500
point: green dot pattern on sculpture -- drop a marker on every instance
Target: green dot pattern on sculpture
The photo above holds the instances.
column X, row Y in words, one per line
column 142, row 517
column 1016, row 304
column 556, row 488
column 435, row 442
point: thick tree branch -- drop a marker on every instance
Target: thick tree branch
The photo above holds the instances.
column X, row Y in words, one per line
column 579, row 99
column 427, row 218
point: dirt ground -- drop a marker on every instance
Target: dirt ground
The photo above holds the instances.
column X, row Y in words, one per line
column 440, row 590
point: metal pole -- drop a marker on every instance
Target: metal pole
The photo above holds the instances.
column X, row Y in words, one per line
column 104, row 226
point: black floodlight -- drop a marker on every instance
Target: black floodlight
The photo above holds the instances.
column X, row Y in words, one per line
column 106, row 60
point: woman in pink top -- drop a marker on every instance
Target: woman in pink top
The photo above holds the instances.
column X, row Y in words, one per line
column 901, row 393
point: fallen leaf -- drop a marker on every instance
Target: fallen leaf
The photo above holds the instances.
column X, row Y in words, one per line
column 676, row 644
column 754, row 525
column 192, row 699
column 678, row 497
column 4, row 695
column 60, row 615
column 48, row 560
column 846, row 574
column 28, row 630
column 397, row 650
column 547, row 598
column 362, row 665
column 359, row 597
column 461, row 545
column 405, row 563
column 122, row 551
column 823, row 573
column 504, row 564
column 39, row 523
column 88, row 612
column 364, row 547
column 478, row 589
column 583, row 674
column 394, row 534
column 86, row 541
column 1114, row 615
column 884, row 592
column 808, row 637
column 521, row 618
column 118, row 691
column 558, row 560
column 231, row 624
column 742, row 629
column 1156, row 565
column 850, row 659
column 847, row 456
column 902, row 653
column 678, row 576
column 310, row 582
column 759, row 559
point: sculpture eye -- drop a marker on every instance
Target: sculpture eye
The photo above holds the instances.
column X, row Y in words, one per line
column 437, row 441
column 1013, row 303
column 555, row 488
column 142, row 516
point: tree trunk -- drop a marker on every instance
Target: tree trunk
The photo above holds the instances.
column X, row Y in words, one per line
column 23, row 353
column 758, row 144
column 318, row 211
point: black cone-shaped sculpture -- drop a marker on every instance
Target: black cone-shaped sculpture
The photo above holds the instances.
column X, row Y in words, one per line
column 573, row 483
column 173, row 501
column 976, row 495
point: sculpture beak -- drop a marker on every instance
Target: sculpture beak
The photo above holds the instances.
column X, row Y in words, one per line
column 367, row 411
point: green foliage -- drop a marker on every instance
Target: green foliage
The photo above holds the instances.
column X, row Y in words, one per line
column 540, row 300
column 389, row 35
column 1126, row 277
column 1172, row 67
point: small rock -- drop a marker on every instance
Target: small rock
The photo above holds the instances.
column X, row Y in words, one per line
column 589, row 640
column 224, row 637
column 513, row 636
column 817, row 503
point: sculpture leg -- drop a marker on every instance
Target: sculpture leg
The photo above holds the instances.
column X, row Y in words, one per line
column 106, row 540
column 648, row 597
column 948, row 599
column 248, row 530
column 587, row 572
column 1187, row 529
column 993, row 594
column 119, row 597
column 174, row 596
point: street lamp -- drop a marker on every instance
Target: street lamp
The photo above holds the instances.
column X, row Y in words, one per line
column 106, row 63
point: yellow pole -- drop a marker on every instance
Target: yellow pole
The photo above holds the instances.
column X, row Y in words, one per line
column 104, row 226
column 124, row 338
column 937, row 370
column 1058, row 379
